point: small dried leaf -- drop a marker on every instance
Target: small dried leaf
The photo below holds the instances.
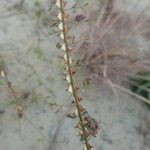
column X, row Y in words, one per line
column 70, row 49
column 86, row 80
column 78, row 63
column 9, row 84
column 79, row 127
column 76, row 88
column 25, row 95
column 73, row 116
column 73, row 72
column 82, row 109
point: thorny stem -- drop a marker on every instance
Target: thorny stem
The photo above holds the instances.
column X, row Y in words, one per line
column 70, row 74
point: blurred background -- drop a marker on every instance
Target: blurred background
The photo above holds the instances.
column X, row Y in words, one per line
column 29, row 55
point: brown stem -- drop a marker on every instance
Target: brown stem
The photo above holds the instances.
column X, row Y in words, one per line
column 70, row 74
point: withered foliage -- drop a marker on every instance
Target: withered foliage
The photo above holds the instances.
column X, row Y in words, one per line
column 118, row 43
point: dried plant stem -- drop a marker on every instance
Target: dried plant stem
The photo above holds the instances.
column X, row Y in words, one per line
column 8, row 83
column 121, row 88
column 14, row 95
column 67, row 50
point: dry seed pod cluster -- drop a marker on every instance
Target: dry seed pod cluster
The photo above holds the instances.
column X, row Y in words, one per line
column 87, row 125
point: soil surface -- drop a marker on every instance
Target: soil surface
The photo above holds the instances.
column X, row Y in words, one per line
column 28, row 49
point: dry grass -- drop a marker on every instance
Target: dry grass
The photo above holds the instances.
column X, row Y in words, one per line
column 117, row 47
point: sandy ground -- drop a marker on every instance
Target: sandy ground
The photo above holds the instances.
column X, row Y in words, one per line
column 33, row 67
